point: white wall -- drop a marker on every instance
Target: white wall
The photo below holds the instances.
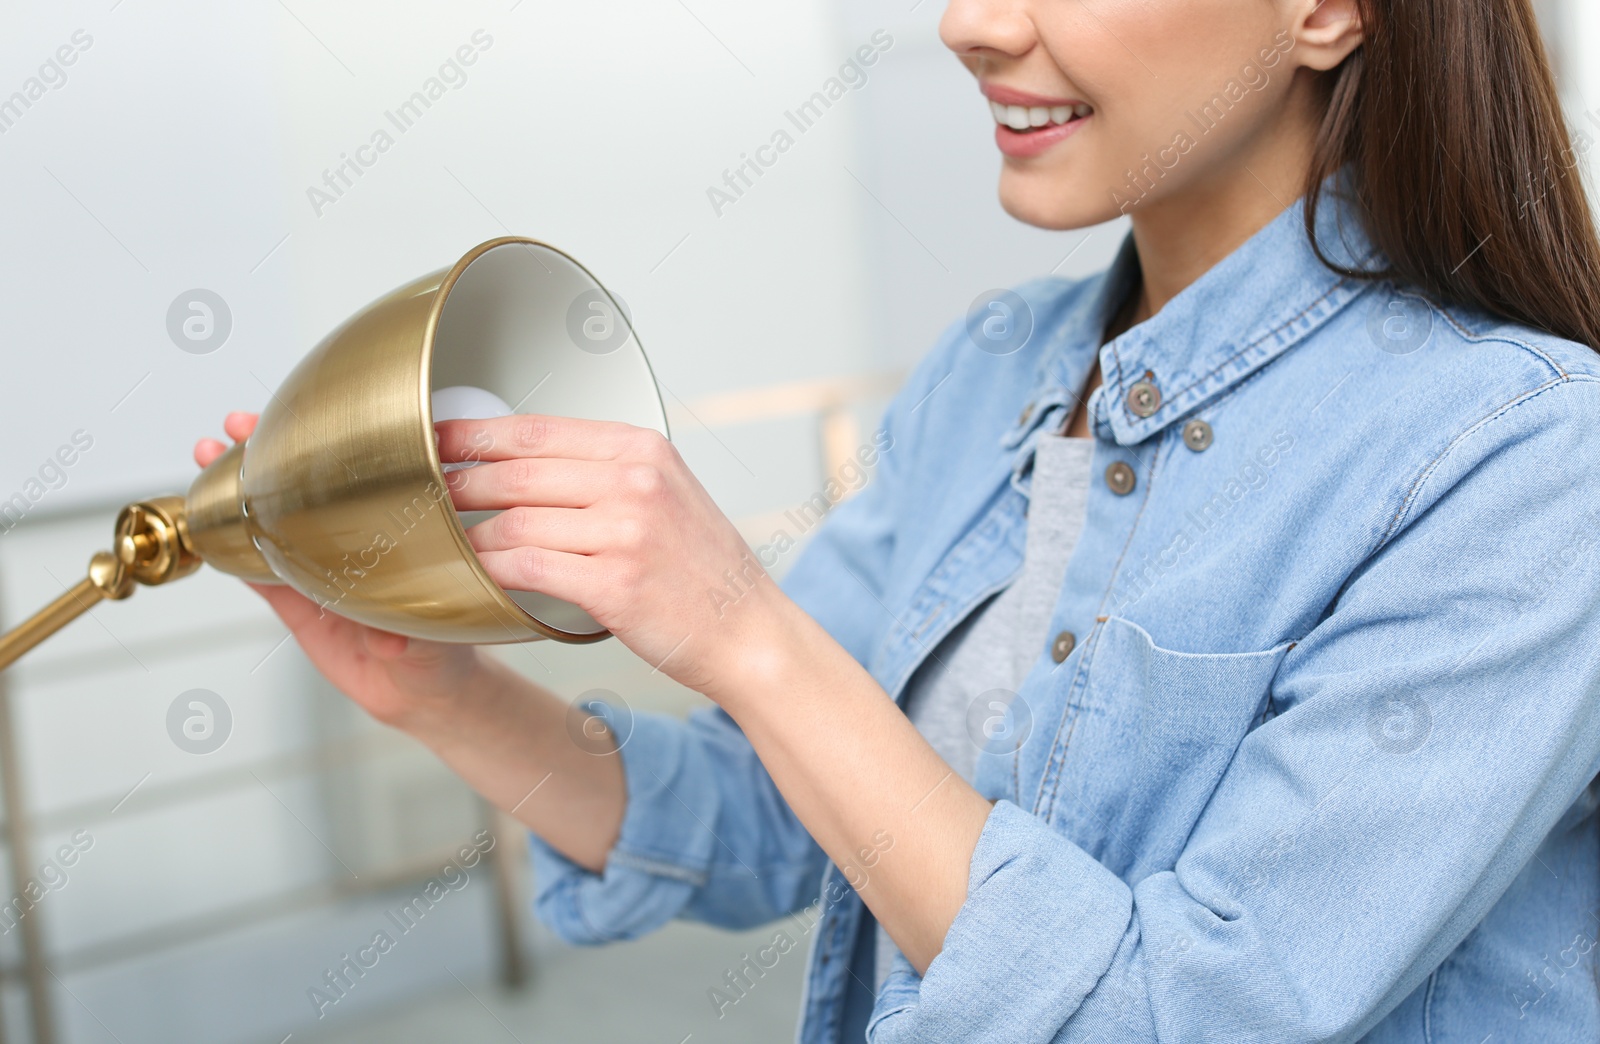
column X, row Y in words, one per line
column 1581, row 65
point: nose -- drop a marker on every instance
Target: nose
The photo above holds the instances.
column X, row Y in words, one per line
column 976, row 29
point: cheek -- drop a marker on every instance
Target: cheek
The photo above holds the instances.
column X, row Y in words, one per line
column 1198, row 49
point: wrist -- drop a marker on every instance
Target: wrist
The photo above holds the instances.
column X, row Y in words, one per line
column 782, row 651
column 450, row 704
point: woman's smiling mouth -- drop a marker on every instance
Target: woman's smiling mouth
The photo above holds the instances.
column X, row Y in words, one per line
column 1028, row 124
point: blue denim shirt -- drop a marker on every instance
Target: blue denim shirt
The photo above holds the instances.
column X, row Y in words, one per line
column 1321, row 764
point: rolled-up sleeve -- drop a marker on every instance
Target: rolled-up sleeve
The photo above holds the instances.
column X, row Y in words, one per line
column 1018, row 861
column 1339, row 860
column 663, row 854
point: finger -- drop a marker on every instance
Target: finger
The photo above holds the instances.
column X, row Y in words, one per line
column 536, row 435
column 530, row 482
column 558, row 574
column 240, row 425
column 208, row 450
column 558, row 529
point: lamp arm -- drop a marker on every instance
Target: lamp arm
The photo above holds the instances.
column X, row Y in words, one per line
column 106, row 580
column 152, row 547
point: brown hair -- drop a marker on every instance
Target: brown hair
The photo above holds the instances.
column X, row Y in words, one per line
column 1460, row 163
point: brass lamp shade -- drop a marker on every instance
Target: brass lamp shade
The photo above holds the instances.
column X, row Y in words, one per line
column 340, row 492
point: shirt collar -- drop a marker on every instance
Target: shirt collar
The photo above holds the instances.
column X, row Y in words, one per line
column 1074, row 337
column 1250, row 308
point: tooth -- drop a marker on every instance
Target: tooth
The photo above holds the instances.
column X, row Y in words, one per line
column 1038, row 116
column 999, row 111
column 1083, row 110
column 1016, row 117
column 1061, row 114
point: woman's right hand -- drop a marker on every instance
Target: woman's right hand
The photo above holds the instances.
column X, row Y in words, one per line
column 404, row 682
column 505, row 736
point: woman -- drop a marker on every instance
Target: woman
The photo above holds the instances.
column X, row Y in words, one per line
column 1261, row 574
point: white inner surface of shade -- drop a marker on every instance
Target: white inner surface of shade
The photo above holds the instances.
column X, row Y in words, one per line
column 513, row 335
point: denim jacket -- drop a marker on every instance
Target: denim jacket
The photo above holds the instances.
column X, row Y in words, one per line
column 1320, row 764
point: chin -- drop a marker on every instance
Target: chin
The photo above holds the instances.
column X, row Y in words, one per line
column 1053, row 200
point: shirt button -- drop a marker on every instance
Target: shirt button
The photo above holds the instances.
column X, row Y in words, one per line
column 1120, row 477
column 1062, row 647
column 1027, row 411
column 1197, row 435
column 1144, row 398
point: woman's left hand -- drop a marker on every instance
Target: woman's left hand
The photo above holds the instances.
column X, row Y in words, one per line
column 607, row 516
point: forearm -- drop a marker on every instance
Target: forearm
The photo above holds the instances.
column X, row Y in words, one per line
column 856, row 772
column 610, row 518
column 508, row 739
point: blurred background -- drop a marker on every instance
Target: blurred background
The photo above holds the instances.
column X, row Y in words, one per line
column 160, row 888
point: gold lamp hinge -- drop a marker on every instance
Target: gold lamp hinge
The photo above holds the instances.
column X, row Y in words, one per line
column 151, row 546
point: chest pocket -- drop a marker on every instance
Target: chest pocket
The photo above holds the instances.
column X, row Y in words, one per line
column 1144, row 743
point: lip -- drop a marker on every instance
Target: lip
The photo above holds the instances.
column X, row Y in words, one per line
column 1011, row 96
column 1022, row 145
column 1018, row 144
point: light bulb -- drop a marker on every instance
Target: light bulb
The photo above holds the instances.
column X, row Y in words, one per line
column 464, row 402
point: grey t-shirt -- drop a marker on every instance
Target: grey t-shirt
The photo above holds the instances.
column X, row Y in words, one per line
column 997, row 644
